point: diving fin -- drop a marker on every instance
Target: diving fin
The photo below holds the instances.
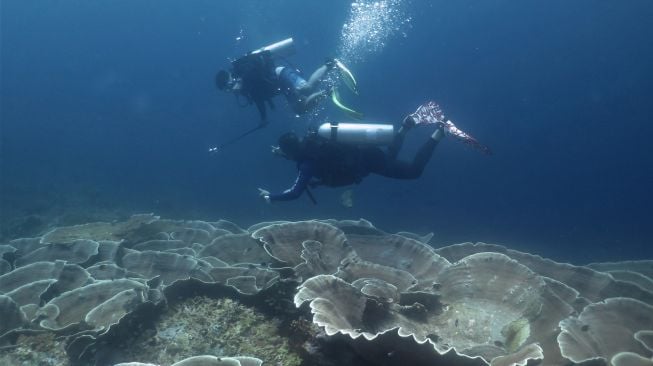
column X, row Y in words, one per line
column 430, row 113
column 335, row 98
column 347, row 76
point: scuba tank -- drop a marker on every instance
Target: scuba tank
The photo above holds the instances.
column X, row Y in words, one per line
column 358, row 133
column 260, row 59
column 283, row 48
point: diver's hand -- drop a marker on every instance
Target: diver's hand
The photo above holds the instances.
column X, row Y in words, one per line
column 264, row 194
column 276, row 150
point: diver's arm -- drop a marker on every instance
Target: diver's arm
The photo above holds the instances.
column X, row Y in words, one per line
column 304, row 176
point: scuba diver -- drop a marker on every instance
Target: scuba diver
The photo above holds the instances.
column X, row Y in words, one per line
column 343, row 154
column 257, row 77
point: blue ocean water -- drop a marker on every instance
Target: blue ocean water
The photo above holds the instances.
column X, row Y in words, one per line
column 109, row 107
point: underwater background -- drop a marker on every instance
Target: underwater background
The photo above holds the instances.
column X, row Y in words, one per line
column 108, row 109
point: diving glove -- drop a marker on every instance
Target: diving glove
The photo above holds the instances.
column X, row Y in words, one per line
column 264, row 194
column 330, row 63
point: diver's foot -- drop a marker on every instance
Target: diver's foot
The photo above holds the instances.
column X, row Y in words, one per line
column 330, row 63
column 441, row 129
column 408, row 122
column 438, row 134
column 412, row 120
column 427, row 114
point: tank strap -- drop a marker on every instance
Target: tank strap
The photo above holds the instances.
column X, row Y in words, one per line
column 334, row 130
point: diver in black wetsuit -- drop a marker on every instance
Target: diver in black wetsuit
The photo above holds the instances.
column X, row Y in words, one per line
column 251, row 76
column 256, row 77
column 324, row 162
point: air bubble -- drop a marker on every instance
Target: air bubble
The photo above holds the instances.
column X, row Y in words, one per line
column 369, row 26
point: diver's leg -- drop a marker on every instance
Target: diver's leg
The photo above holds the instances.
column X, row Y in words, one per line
column 399, row 169
column 316, row 77
column 314, row 99
column 398, row 141
column 373, row 159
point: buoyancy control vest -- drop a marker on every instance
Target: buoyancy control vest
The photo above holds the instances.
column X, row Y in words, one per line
column 259, row 64
column 257, row 70
column 259, row 82
column 335, row 164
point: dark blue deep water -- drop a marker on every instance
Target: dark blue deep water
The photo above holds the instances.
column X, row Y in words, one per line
column 108, row 109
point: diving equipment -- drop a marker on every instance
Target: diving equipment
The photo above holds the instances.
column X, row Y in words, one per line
column 358, row 133
column 290, row 79
column 431, row 113
column 335, row 98
column 347, row 76
column 261, row 59
column 283, row 48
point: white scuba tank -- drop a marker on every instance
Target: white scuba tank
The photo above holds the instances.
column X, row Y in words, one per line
column 358, row 133
column 283, row 48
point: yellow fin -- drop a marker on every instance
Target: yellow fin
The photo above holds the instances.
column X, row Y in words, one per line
column 347, row 76
column 335, row 98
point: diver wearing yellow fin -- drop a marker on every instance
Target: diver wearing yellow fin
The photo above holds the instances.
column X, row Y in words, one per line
column 264, row 73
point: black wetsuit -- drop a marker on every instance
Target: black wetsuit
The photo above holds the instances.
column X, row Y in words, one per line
column 334, row 164
column 259, row 81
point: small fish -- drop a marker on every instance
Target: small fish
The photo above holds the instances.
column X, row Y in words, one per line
column 347, row 198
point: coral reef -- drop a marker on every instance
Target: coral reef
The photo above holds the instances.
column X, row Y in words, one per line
column 317, row 292
column 202, row 326
column 42, row 348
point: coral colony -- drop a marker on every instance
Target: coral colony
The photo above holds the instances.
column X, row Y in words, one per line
column 317, row 292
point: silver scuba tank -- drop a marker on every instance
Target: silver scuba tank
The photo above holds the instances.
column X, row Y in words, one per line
column 283, row 48
column 358, row 133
